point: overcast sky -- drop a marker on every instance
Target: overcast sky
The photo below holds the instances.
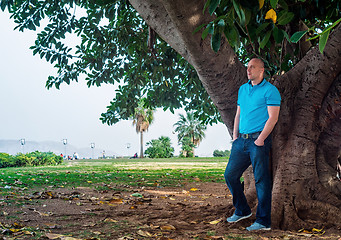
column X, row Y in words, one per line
column 30, row 111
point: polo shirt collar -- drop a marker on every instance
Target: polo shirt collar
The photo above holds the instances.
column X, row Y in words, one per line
column 259, row 84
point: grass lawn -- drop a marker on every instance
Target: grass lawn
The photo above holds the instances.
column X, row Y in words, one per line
column 103, row 172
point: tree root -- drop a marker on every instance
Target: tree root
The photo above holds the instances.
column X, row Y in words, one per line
column 312, row 211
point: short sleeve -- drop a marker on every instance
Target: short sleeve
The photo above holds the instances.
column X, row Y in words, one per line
column 240, row 94
column 273, row 97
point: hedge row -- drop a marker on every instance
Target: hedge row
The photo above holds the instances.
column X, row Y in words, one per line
column 29, row 159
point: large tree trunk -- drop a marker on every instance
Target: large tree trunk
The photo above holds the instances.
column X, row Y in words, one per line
column 306, row 141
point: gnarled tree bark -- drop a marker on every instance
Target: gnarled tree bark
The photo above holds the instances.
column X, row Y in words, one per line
column 306, row 141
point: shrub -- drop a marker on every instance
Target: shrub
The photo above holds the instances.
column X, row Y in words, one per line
column 6, row 160
column 160, row 148
column 218, row 153
column 29, row 159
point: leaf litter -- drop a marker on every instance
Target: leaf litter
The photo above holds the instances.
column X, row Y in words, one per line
column 195, row 211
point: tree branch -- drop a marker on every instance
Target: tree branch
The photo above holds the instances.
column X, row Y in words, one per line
column 220, row 73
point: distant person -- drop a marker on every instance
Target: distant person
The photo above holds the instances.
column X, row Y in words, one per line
column 103, row 154
column 75, row 156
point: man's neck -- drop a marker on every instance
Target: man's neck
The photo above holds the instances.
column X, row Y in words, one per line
column 256, row 81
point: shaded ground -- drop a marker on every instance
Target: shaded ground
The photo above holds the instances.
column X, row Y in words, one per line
column 196, row 211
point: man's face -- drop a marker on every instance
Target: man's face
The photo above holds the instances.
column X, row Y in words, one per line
column 255, row 70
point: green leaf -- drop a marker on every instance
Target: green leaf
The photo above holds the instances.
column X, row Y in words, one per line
column 265, row 40
column 286, row 35
column 240, row 30
column 273, row 3
column 323, row 41
column 262, row 27
column 297, row 36
column 285, row 17
column 215, row 41
column 239, row 12
column 278, row 35
column 283, row 4
column 199, row 27
column 232, row 36
column 137, row 195
column 221, row 23
column 248, row 15
column 208, row 29
column 3, row 5
column 213, row 6
column 206, row 5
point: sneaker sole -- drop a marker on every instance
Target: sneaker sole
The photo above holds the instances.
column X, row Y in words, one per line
column 242, row 218
column 261, row 229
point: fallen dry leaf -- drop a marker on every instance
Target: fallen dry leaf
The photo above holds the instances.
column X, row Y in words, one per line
column 51, row 225
column 167, row 227
column 154, row 227
column 69, row 238
column 110, row 220
column 89, row 225
column 215, row 221
column 144, row 233
column 44, row 214
column 116, row 201
column 53, row 236
column 59, row 236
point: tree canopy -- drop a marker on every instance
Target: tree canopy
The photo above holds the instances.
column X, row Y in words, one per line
column 117, row 47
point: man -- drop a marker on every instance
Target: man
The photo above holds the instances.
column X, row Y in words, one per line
column 257, row 113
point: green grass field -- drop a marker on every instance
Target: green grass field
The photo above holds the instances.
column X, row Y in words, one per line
column 101, row 173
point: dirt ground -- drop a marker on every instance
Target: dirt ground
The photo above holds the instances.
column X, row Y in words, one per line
column 195, row 211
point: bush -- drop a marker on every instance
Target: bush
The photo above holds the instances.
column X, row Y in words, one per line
column 30, row 159
column 6, row 160
column 218, row 153
column 160, row 148
column 187, row 147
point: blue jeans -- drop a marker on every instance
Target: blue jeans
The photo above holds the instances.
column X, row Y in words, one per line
column 245, row 152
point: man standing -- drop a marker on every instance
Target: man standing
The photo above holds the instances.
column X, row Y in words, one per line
column 256, row 116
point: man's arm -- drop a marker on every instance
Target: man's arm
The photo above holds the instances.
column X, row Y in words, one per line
column 273, row 112
column 236, row 124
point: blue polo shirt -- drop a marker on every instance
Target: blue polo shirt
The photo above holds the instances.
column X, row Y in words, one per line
column 253, row 102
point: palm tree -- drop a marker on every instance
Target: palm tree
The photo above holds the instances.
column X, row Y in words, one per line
column 189, row 126
column 143, row 117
